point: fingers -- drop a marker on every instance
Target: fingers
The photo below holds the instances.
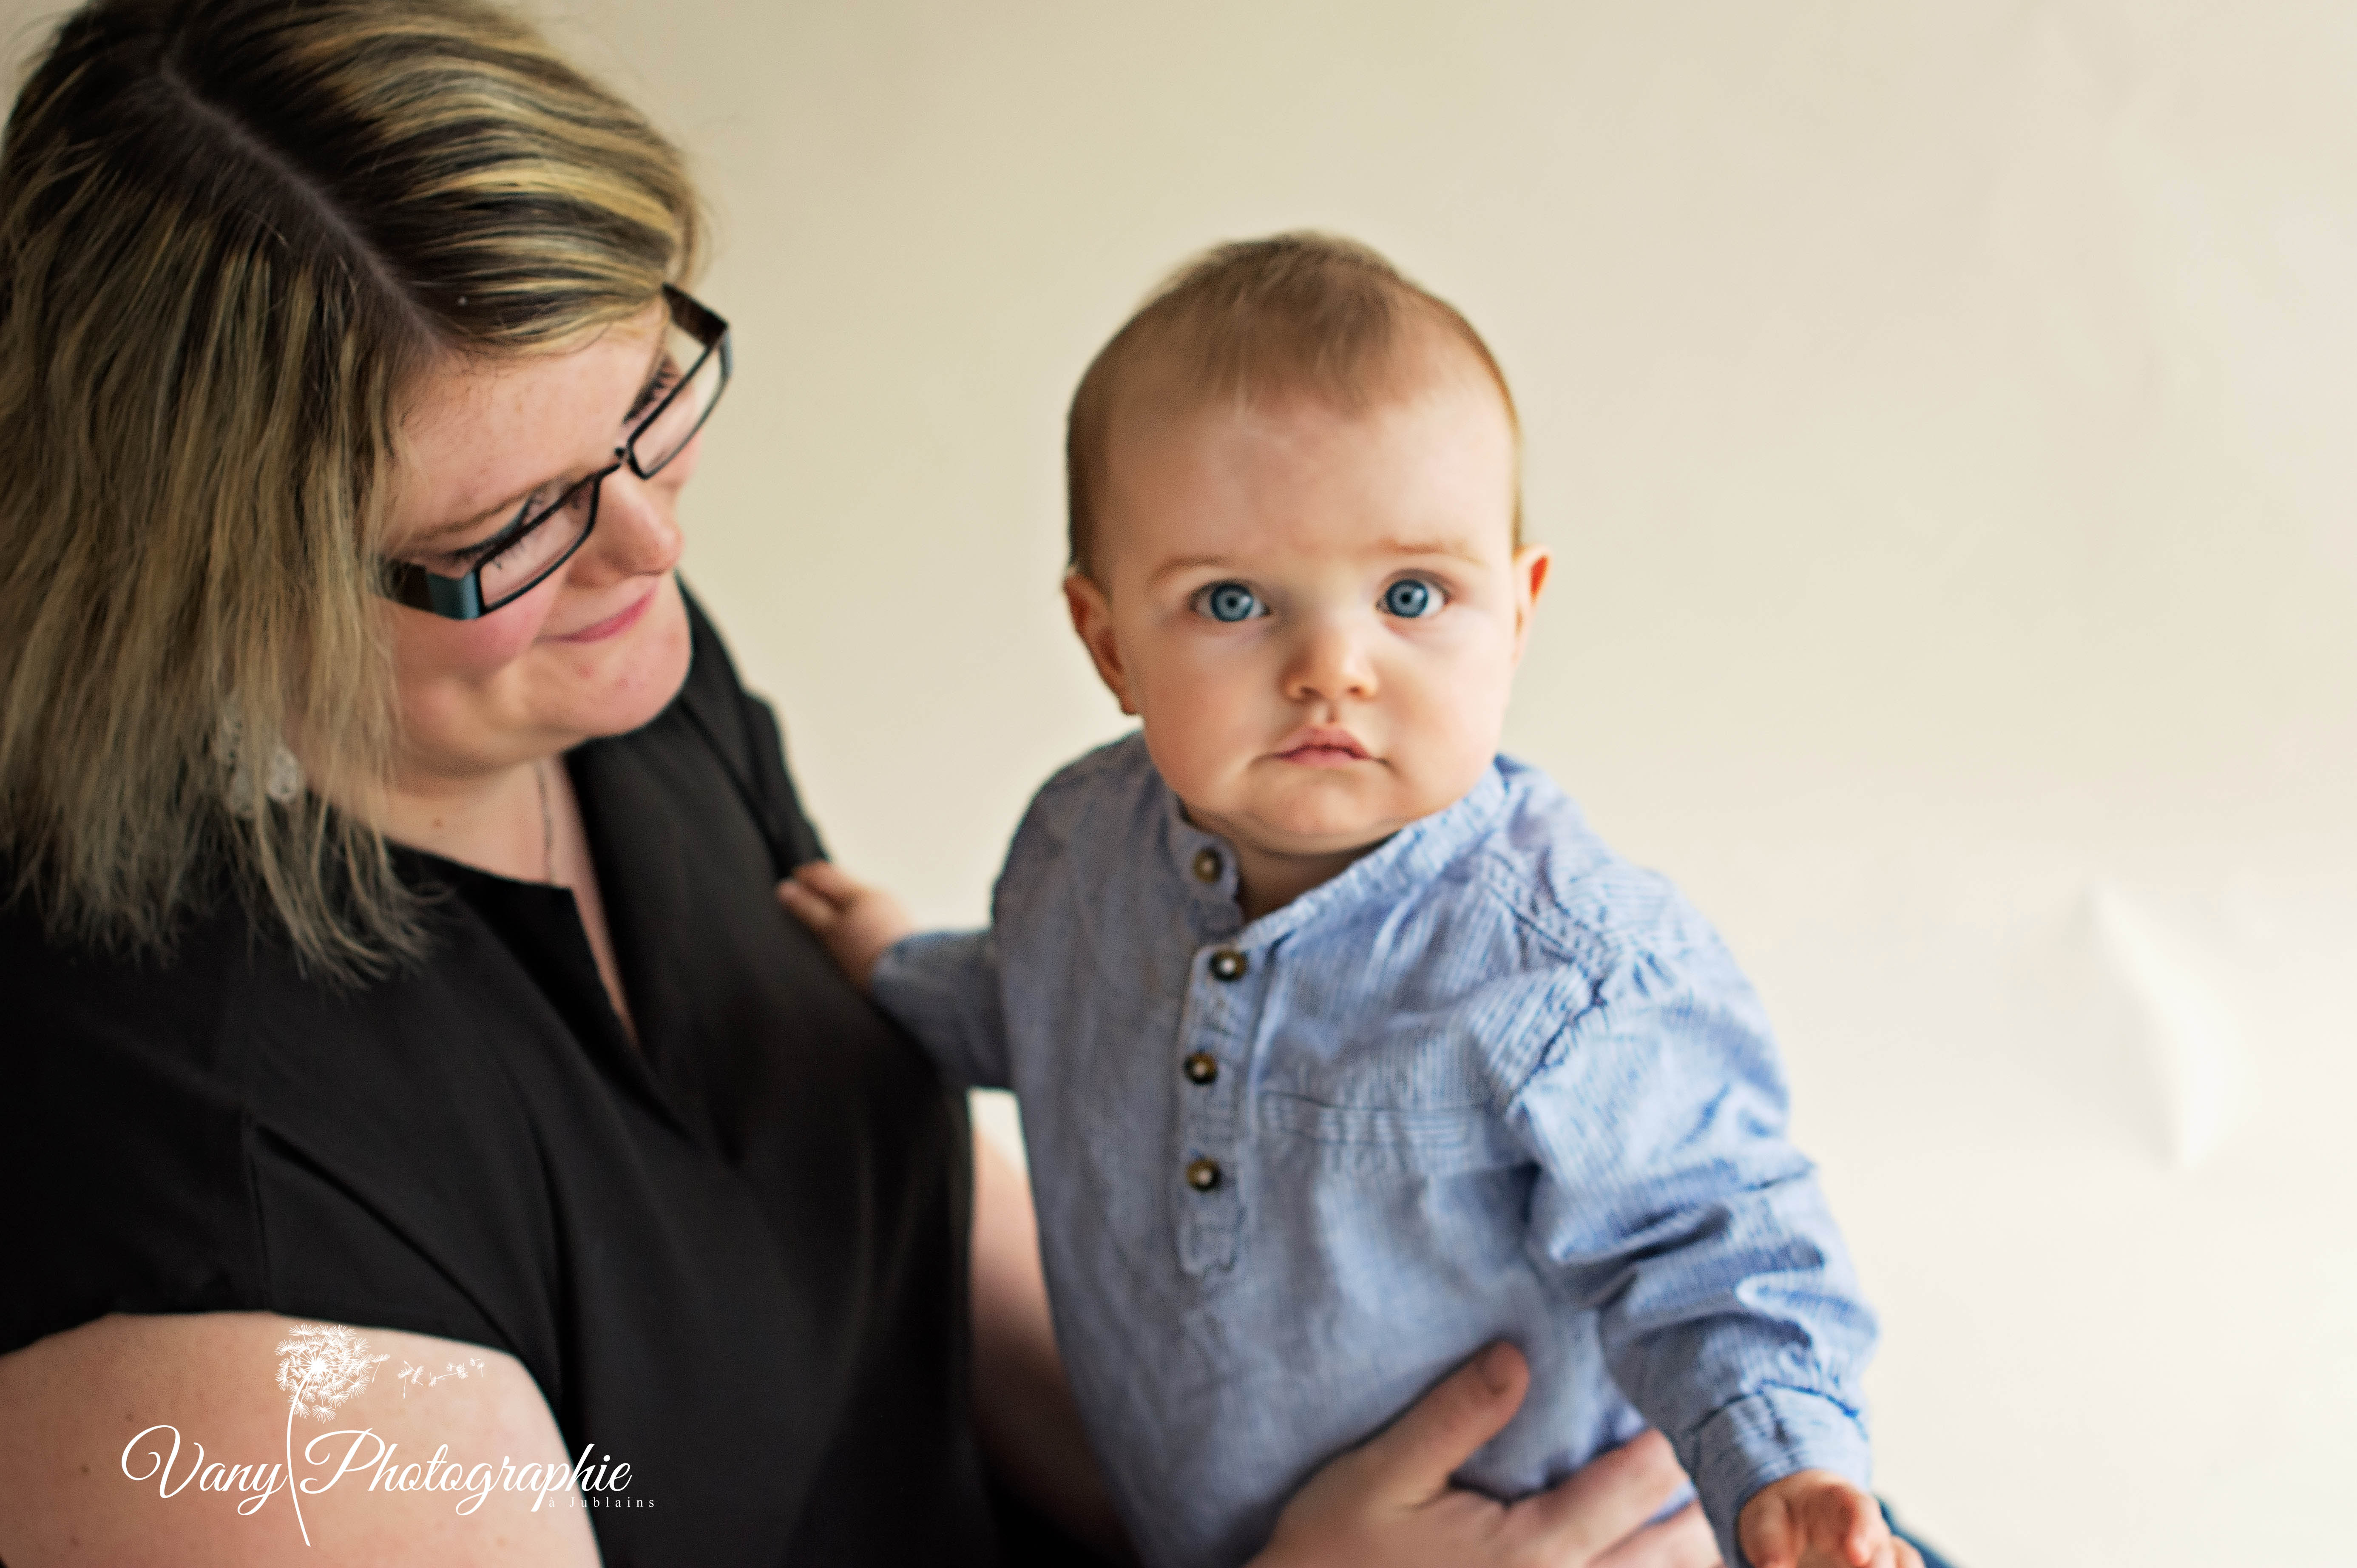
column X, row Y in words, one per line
column 1607, row 1498
column 829, row 881
column 1769, row 1534
column 812, row 910
column 1413, row 1458
column 1887, row 1550
column 1815, row 1516
column 1854, row 1519
column 1682, row 1540
column 819, row 893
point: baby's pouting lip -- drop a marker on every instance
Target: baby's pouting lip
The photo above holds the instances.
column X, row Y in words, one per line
column 1321, row 745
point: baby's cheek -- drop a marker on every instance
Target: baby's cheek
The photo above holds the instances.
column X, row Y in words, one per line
column 1192, row 717
column 1465, row 720
column 1183, row 740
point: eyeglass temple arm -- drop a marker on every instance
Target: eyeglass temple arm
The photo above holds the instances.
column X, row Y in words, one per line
column 454, row 598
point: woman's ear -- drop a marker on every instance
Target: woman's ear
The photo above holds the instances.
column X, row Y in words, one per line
column 1092, row 621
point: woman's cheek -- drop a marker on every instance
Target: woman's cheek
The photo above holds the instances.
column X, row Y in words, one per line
column 426, row 646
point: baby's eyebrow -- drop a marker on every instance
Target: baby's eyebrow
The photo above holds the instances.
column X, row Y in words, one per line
column 1188, row 563
column 1454, row 548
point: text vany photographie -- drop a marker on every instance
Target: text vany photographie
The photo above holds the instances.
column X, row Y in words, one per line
column 322, row 1368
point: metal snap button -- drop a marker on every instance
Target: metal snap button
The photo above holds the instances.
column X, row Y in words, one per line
column 1202, row 1174
column 1227, row 963
column 1207, row 866
column 1201, row 1067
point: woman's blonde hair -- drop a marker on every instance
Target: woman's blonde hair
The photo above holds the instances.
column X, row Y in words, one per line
column 230, row 233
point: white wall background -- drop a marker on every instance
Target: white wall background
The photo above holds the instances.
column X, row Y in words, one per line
column 1939, row 412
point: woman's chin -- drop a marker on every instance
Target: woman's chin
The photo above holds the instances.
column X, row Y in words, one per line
column 634, row 676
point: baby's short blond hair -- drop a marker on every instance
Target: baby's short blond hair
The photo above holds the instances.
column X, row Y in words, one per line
column 1297, row 313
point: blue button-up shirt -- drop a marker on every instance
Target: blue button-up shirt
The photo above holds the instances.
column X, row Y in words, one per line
column 1491, row 1081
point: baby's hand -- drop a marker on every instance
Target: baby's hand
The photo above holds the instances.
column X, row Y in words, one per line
column 1814, row 1518
column 855, row 921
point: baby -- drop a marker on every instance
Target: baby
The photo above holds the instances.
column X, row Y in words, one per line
column 1343, row 1046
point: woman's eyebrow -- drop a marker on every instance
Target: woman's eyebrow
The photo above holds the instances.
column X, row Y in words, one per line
column 468, row 525
column 515, row 503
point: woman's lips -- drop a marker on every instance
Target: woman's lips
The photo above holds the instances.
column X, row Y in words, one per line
column 613, row 625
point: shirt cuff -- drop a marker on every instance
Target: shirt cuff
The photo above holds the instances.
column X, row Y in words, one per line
column 916, row 978
column 893, row 967
column 1765, row 1437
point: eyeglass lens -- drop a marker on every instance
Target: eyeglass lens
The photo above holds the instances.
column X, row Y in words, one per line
column 667, row 433
column 517, row 566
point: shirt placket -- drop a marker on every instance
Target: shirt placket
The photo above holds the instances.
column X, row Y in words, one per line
column 1227, row 986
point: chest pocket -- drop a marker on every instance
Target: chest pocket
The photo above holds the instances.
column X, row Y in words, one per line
column 1378, row 1141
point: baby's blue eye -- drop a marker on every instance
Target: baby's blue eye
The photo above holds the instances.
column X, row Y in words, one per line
column 1229, row 601
column 1410, row 599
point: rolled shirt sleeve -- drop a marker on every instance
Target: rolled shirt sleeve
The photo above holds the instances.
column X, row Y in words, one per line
column 942, row 987
column 1669, row 1202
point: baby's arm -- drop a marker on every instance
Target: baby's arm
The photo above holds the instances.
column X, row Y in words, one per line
column 1669, row 1201
column 942, row 987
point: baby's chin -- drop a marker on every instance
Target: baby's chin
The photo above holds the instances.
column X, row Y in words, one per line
column 1309, row 834
column 1316, row 821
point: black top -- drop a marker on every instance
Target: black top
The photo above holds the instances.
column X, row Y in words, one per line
column 734, row 1258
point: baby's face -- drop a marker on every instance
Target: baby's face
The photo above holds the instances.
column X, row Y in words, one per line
column 1316, row 616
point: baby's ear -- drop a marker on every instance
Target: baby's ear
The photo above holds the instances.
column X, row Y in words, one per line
column 1092, row 622
column 1531, row 563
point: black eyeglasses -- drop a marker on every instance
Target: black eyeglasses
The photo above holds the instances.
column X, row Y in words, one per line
column 696, row 363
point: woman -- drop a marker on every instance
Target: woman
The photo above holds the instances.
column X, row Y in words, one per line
column 390, row 848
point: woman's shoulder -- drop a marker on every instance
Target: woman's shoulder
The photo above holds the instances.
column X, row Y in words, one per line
column 210, row 1129
column 124, row 1128
column 85, row 1015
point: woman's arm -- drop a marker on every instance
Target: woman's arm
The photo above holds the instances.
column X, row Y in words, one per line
column 150, row 1440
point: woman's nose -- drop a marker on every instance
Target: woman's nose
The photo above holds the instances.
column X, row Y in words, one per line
column 638, row 535
column 1329, row 662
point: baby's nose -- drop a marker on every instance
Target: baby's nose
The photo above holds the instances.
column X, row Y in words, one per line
column 1329, row 662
